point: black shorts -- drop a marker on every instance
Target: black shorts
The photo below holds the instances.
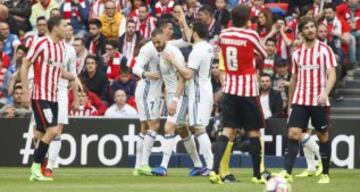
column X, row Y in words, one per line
column 45, row 114
column 301, row 114
column 242, row 112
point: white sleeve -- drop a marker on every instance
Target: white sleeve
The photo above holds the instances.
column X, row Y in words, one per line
column 179, row 43
column 194, row 60
column 122, row 27
column 141, row 61
column 72, row 61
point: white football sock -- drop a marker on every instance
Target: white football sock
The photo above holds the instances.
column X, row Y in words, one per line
column 315, row 146
column 167, row 149
column 190, row 147
column 149, row 140
column 139, row 148
column 308, row 152
column 53, row 152
column 205, row 149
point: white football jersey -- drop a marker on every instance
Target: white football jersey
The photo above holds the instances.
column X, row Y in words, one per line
column 168, row 71
column 69, row 65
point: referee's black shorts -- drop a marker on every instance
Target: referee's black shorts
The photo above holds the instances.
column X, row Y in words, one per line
column 241, row 112
column 301, row 114
column 45, row 114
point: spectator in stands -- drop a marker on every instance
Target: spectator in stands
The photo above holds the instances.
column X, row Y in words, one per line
column 16, row 109
column 281, row 81
column 69, row 35
column 125, row 82
column 177, row 14
column 19, row 13
column 264, row 23
column 222, row 14
column 21, row 51
column 113, row 23
column 191, row 9
column 86, row 108
column 3, row 88
column 164, row 7
column 270, row 99
column 41, row 29
column 216, row 84
column 167, row 27
column 257, row 7
column 268, row 65
column 322, row 36
column 284, row 38
column 338, row 29
column 42, row 8
column 205, row 16
column 113, row 60
column 120, row 108
column 145, row 22
column 77, row 12
column 94, row 79
column 95, row 42
column 92, row 98
column 81, row 53
column 129, row 39
column 55, row 12
column 317, row 8
column 134, row 9
column 5, row 59
column 11, row 41
column 12, row 78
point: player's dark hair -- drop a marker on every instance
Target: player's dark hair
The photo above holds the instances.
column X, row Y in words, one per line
column 93, row 57
column 265, row 75
column 206, row 9
column 305, row 20
column 95, row 22
column 329, row 6
column 22, row 47
column 156, row 32
column 270, row 40
column 240, row 15
column 80, row 39
column 113, row 43
column 200, row 29
column 40, row 18
column 53, row 21
column 161, row 23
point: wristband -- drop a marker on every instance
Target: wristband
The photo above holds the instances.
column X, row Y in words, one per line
column 176, row 99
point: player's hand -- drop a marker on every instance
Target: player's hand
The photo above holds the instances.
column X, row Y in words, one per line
column 152, row 75
column 79, row 84
column 322, row 99
column 168, row 56
column 172, row 108
column 10, row 112
column 76, row 105
column 26, row 99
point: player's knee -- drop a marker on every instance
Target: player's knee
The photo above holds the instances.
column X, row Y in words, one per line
column 183, row 132
column 154, row 125
column 229, row 132
column 294, row 133
column 323, row 136
column 254, row 134
column 169, row 128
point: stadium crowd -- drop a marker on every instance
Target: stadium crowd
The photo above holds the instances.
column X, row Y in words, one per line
column 108, row 34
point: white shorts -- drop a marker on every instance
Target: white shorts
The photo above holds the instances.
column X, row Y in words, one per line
column 200, row 111
column 148, row 103
column 179, row 118
column 63, row 105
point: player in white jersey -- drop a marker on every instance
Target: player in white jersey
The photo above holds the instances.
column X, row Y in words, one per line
column 63, row 100
column 147, row 96
column 177, row 104
column 199, row 88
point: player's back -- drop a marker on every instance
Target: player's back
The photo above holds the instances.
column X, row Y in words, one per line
column 238, row 47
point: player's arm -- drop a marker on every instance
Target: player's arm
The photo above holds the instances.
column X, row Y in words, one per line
column 293, row 79
column 24, row 81
column 141, row 61
column 330, row 62
column 179, row 92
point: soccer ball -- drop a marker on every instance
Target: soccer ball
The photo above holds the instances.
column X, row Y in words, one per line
column 277, row 184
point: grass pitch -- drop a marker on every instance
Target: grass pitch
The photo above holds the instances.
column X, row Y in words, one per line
column 120, row 180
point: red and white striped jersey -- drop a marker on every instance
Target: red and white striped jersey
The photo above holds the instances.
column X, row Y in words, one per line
column 47, row 58
column 238, row 49
column 310, row 66
column 30, row 39
column 113, row 66
column 146, row 27
column 84, row 111
column 164, row 9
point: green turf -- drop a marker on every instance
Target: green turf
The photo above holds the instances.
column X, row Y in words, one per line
column 118, row 179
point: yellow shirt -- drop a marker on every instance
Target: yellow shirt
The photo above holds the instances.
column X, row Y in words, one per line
column 112, row 28
column 38, row 10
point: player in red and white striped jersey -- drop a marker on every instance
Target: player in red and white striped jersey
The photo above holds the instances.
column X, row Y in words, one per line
column 241, row 108
column 47, row 55
column 313, row 68
column 145, row 23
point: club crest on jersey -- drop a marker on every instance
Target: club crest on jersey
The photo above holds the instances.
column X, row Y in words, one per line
column 51, row 62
